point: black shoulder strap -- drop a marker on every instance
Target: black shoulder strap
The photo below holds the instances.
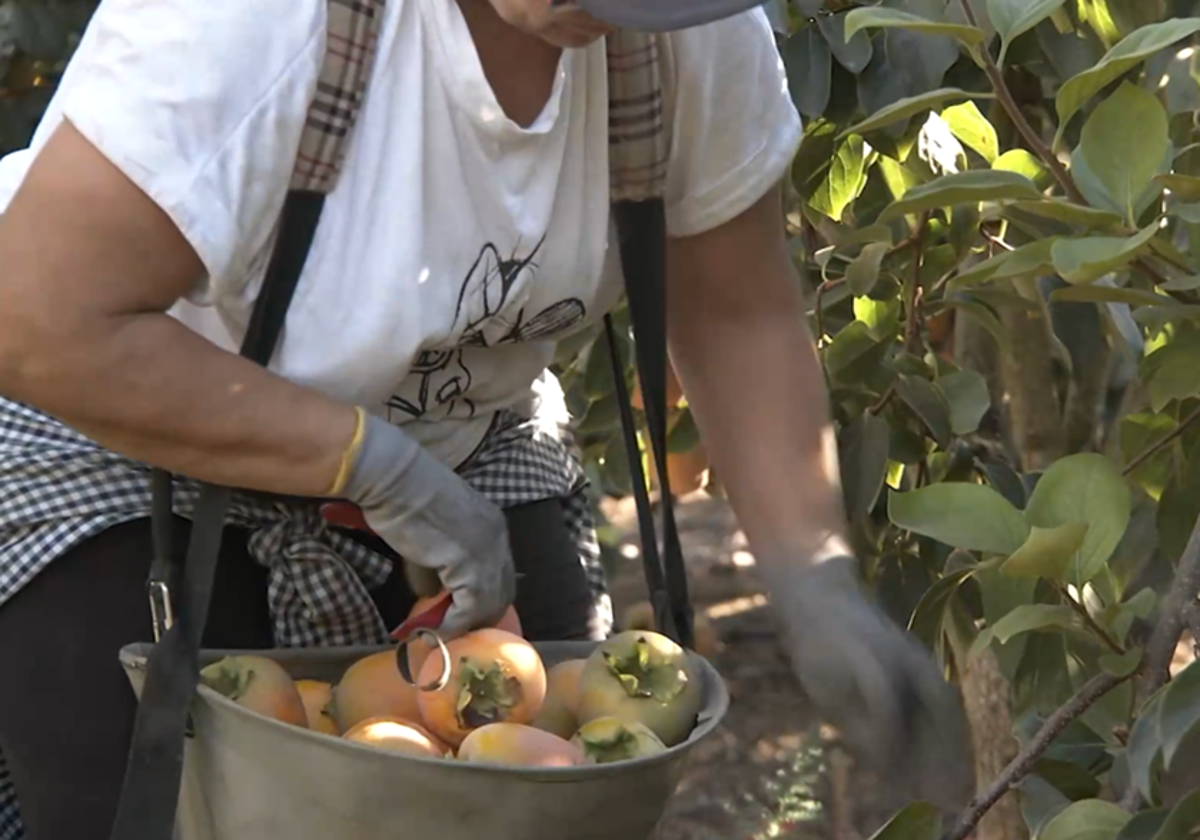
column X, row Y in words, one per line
column 150, row 792
column 642, row 236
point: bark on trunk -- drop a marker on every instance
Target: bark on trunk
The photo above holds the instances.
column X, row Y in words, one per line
column 986, row 696
column 1027, row 373
column 1024, row 392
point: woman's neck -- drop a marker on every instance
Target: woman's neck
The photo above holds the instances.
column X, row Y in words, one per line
column 519, row 67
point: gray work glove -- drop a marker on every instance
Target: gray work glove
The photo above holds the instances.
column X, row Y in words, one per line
column 434, row 519
column 873, row 681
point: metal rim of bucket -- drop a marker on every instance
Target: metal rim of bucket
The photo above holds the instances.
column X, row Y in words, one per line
column 704, row 727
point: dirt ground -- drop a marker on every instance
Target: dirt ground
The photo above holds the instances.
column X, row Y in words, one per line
column 764, row 773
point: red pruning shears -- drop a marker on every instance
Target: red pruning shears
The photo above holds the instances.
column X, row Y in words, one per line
column 347, row 515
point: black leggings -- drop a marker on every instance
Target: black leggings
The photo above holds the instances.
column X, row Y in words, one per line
column 66, row 707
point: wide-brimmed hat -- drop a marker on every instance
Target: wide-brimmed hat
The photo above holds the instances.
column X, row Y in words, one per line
column 662, row 15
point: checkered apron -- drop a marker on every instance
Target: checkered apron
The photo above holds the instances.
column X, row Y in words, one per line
column 71, row 489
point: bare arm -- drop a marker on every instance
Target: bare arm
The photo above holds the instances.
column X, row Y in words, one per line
column 747, row 364
column 90, row 266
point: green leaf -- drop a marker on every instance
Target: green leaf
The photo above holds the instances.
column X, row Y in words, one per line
column 863, row 272
column 1042, row 681
column 808, row 63
column 1047, row 553
column 1179, row 505
column 1183, row 820
column 882, row 317
column 852, row 53
column 969, row 187
column 980, row 272
column 1190, row 213
column 1143, row 752
column 907, row 107
column 999, row 595
column 1023, row 619
column 1139, row 605
column 1123, row 664
column 1040, row 801
column 810, row 166
column 615, row 467
column 863, row 457
column 1179, row 714
column 1013, row 18
column 602, row 415
column 863, row 235
column 1144, row 825
column 1084, row 259
column 1025, row 261
column 984, row 316
column 1069, row 777
column 926, row 401
column 966, row 392
column 1097, row 293
column 684, row 434
column 1064, row 210
column 972, row 517
column 844, row 179
column 1088, row 819
column 1022, row 163
column 1137, row 433
column 597, row 372
column 1124, row 144
column 970, row 126
column 879, row 17
column 1083, row 488
column 1172, row 372
column 851, row 349
column 1005, row 479
column 1131, row 51
column 929, row 615
column 916, row 821
column 1181, row 186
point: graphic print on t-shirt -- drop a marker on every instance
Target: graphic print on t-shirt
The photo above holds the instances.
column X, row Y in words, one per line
column 440, row 378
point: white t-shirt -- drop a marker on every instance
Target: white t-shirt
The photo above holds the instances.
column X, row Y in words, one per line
column 458, row 247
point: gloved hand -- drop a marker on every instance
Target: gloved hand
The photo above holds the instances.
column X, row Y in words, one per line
column 865, row 675
column 434, row 519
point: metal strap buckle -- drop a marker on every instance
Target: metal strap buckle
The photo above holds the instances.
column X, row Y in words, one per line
column 161, row 614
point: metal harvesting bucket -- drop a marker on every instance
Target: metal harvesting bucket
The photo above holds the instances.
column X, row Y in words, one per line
column 248, row 777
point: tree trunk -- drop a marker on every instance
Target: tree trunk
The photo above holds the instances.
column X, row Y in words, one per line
column 1023, row 390
column 986, row 695
column 1027, row 373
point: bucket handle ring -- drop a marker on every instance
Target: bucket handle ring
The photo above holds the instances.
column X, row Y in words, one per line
column 406, row 672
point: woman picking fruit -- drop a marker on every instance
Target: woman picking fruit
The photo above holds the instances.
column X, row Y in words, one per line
column 469, row 234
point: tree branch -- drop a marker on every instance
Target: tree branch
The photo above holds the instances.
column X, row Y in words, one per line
column 1005, row 98
column 1191, row 618
column 883, row 400
column 1152, row 450
column 1150, row 272
column 1177, row 605
column 912, row 325
column 1023, row 764
column 819, row 302
column 1174, row 263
